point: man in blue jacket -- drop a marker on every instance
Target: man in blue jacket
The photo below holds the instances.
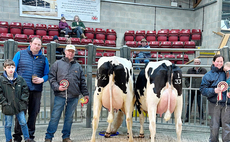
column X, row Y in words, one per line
column 33, row 66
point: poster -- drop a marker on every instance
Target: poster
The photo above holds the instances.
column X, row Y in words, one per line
column 87, row 10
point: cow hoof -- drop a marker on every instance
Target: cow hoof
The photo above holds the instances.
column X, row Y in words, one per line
column 141, row 136
column 107, row 135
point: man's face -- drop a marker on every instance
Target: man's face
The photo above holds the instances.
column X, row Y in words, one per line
column 196, row 62
column 56, row 40
column 69, row 54
column 9, row 70
column 36, row 45
column 143, row 43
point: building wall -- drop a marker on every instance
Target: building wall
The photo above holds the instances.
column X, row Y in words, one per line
column 123, row 17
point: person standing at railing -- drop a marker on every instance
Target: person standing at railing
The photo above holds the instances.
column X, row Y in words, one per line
column 67, row 80
column 142, row 54
column 195, row 84
column 219, row 109
column 33, row 66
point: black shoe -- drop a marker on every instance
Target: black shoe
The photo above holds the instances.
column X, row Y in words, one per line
column 186, row 120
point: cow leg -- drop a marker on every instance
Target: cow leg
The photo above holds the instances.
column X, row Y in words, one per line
column 141, row 116
column 177, row 114
column 108, row 131
column 129, row 107
column 118, row 119
column 96, row 113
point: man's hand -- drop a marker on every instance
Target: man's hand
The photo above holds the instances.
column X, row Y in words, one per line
column 62, row 88
column 37, row 80
column 86, row 97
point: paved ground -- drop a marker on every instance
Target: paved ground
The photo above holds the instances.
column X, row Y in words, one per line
column 165, row 133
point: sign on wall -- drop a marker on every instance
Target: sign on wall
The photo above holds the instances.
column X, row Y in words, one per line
column 87, row 10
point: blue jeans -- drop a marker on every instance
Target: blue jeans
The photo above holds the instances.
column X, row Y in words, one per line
column 59, row 104
column 141, row 61
column 78, row 31
column 22, row 122
column 67, row 31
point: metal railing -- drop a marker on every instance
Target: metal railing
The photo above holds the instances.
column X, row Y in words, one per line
column 11, row 47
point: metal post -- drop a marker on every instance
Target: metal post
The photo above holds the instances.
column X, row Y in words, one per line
column 125, row 52
column 51, row 56
column 224, row 52
column 91, row 59
column 10, row 48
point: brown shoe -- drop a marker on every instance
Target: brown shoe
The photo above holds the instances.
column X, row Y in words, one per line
column 48, row 140
column 83, row 35
column 67, row 140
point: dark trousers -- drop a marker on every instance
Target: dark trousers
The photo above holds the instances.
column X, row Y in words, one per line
column 199, row 103
column 33, row 110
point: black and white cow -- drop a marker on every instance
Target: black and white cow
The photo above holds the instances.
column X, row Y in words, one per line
column 158, row 90
column 115, row 91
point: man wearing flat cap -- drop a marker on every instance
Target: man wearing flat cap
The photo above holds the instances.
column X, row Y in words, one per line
column 67, row 80
column 140, row 55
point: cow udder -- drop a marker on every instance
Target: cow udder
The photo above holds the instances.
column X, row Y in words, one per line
column 117, row 98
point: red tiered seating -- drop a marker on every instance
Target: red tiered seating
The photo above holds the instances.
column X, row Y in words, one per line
column 151, row 36
column 196, row 34
column 131, row 43
column 41, row 29
column 21, row 38
column 111, row 34
column 185, row 35
column 28, row 28
column 162, row 35
column 110, row 43
column 100, row 33
column 86, row 41
column 108, row 54
column 53, row 30
column 170, row 57
column 165, row 44
column 155, row 56
column 129, row 35
column 98, row 42
column 4, row 27
column 32, row 36
column 154, row 44
column 140, row 35
column 173, row 35
column 180, row 56
column 15, row 28
column 6, row 36
column 177, row 44
column 89, row 32
column 189, row 44
column 62, row 40
column 83, row 53
column 47, row 39
column 75, row 40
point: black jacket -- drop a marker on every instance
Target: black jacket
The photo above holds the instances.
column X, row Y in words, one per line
column 195, row 81
column 71, row 71
column 13, row 96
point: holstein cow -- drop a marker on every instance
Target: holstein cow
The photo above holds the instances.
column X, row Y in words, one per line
column 159, row 90
column 115, row 91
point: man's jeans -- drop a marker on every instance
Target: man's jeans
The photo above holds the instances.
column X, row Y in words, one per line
column 59, row 104
column 22, row 121
column 78, row 31
column 33, row 110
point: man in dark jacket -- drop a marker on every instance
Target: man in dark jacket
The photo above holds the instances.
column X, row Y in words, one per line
column 195, row 84
column 33, row 66
column 67, row 80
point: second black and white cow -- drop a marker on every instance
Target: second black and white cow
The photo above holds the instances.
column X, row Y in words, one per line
column 115, row 91
column 159, row 90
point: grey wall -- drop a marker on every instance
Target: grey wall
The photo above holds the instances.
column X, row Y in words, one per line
column 123, row 17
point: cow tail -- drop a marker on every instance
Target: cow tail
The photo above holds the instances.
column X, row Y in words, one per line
column 169, row 86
